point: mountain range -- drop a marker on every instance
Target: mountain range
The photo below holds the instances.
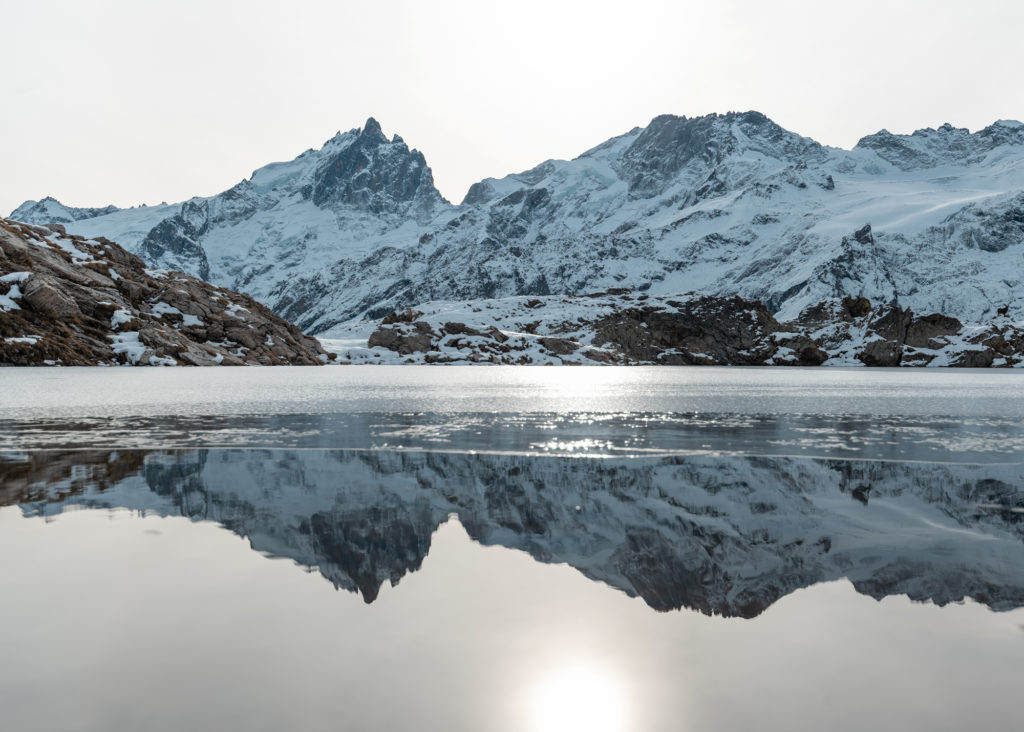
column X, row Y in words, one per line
column 724, row 205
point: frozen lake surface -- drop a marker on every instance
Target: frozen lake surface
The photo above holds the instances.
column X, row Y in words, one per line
column 80, row 392
column 509, row 548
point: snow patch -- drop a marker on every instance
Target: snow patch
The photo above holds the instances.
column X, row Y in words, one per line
column 128, row 343
column 29, row 339
column 120, row 317
column 7, row 301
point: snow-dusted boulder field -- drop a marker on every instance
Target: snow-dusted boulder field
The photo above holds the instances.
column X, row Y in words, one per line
column 720, row 205
column 627, row 327
column 66, row 300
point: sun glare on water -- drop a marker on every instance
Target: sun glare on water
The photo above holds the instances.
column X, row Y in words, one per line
column 578, row 698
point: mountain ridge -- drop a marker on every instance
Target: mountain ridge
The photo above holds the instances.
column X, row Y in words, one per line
column 721, row 204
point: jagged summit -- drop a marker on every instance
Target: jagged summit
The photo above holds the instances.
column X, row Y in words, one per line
column 669, row 145
column 945, row 145
column 372, row 130
column 367, row 172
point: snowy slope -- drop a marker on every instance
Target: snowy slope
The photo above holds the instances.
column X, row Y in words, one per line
column 722, row 204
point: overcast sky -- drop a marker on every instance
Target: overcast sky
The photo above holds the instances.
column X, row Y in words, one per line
column 140, row 102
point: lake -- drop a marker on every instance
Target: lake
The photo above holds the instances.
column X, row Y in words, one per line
column 511, row 548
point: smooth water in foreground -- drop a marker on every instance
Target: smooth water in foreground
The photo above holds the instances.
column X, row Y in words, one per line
column 511, row 548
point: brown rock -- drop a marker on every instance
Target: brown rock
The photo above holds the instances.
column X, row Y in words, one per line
column 496, row 334
column 598, row 356
column 45, row 296
column 922, row 331
column 404, row 338
column 881, row 353
column 981, row 359
column 71, row 305
column 460, row 329
column 725, row 330
column 807, row 352
column 242, row 334
column 812, row 356
column 558, row 346
column 856, row 307
column 892, row 323
column 408, row 315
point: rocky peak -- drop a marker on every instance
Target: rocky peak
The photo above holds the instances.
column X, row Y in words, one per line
column 1003, row 132
column 670, row 144
column 927, row 148
column 51, row 211
column 372, row 174
column 371, row 130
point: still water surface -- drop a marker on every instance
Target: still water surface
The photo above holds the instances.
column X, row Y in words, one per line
column 511, row 549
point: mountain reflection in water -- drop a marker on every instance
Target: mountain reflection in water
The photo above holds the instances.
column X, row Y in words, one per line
column 720, row 534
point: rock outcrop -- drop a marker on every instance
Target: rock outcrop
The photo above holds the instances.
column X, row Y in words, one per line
column 70, row 301
column 620, row 326
column 852, row 331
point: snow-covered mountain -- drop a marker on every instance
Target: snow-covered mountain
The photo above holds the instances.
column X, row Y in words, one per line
column 728, row 535
column 722, row 205
column 53, row 211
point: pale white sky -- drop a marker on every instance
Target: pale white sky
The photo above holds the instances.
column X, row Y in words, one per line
column 129, row 102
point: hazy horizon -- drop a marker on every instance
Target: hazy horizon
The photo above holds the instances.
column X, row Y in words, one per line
column 129, row 103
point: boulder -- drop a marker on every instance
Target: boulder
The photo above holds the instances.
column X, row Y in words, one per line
column 404, row 338
column 46, row 296
column 699, row 330
column 558, row 346
column 855, row 307
column 974, row 359
column 922, row 331
column 881, row 353
column 460, row 329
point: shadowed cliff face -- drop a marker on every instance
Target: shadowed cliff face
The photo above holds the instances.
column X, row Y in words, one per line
column 375, row 175
column 721, row 535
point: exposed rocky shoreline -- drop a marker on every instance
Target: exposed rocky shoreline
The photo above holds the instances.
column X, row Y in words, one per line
column 66, row 300
column 627, row 327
